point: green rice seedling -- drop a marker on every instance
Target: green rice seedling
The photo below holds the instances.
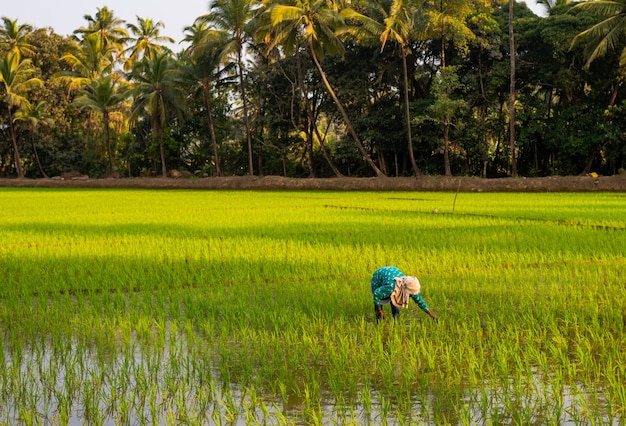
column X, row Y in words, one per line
column 366, row 400
column 385, row 408
column 190, row 296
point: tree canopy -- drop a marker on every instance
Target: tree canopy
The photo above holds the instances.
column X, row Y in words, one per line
column 320, row 88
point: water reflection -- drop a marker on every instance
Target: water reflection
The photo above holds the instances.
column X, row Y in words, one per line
column 70, row 382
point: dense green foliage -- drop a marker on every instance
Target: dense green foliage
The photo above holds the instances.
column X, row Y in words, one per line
column 195, row 307
column 325, row 88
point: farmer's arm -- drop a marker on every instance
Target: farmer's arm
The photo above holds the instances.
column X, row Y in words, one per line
column 417, row 298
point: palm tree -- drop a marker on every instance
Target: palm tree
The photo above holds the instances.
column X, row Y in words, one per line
column 158, row 93
column 14, row 37
column 87, row 62
column 109, row 29
column 318, row 23
column 310, row 125
column 104, row 95
column 603, row 37
column 16, row 80
column 550, row 5
column 607, row 35
column 401, row 27
column 146, row 40
column 35, row 116
column 235, row 16
column 448, row 23
column 106, row 28
column 207, row 68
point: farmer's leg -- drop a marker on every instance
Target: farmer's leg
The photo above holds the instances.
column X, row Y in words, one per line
column 379, row 312
column 395, row 311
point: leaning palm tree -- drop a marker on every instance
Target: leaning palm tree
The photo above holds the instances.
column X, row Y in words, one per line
column 145, row 40
column 235, row 16
column 36, row 116
column 13, row 36
column 104, row 95
column 158, row 93
column 318, row 23
column 16, row 80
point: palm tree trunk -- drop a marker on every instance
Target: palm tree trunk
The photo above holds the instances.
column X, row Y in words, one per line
column 512, row 92
column 446, row 148
column 359, row 145
column 32, row 140
column 592, row 156
column 245, row 112
column 107, row 131
column 16, row 153
column 329, row 160
column 209, row 113
column 158, row 131
column 310, row 122
column 407, row 114
column 311, row 127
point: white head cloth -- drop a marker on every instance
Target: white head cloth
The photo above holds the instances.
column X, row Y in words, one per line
column 405, row 287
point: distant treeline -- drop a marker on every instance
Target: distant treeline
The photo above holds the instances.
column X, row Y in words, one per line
column 320, row 89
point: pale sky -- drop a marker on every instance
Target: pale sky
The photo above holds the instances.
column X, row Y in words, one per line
column 65, row 16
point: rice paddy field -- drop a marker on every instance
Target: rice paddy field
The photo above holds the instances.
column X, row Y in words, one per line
column 234, row 307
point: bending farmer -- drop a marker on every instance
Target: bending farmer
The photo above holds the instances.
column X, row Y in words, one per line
column 390, row 285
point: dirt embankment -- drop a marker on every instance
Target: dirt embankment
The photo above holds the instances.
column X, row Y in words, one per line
column 424, row 183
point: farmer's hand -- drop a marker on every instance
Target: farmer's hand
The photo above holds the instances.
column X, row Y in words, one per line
column 433, row 316
column 379, row 313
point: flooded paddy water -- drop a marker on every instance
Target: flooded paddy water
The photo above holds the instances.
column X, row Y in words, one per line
column 179, row 385
column 138, row 384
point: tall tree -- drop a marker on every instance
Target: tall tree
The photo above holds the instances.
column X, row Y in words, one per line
column 550, row 5
column 234, row 17
column 14, row 36
column 106, row 28
column 447, row 22
column 401, row 27
column 16, row 81
column 104, row 95
column 303, row 105
column 158, row 93
column 319, row 24
column 207, row 68
column 512, row 52
column 607, row 35
column 445, row 107
column 87, row 62
column 145, row 40
column 603, row 37
column 36, row 116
